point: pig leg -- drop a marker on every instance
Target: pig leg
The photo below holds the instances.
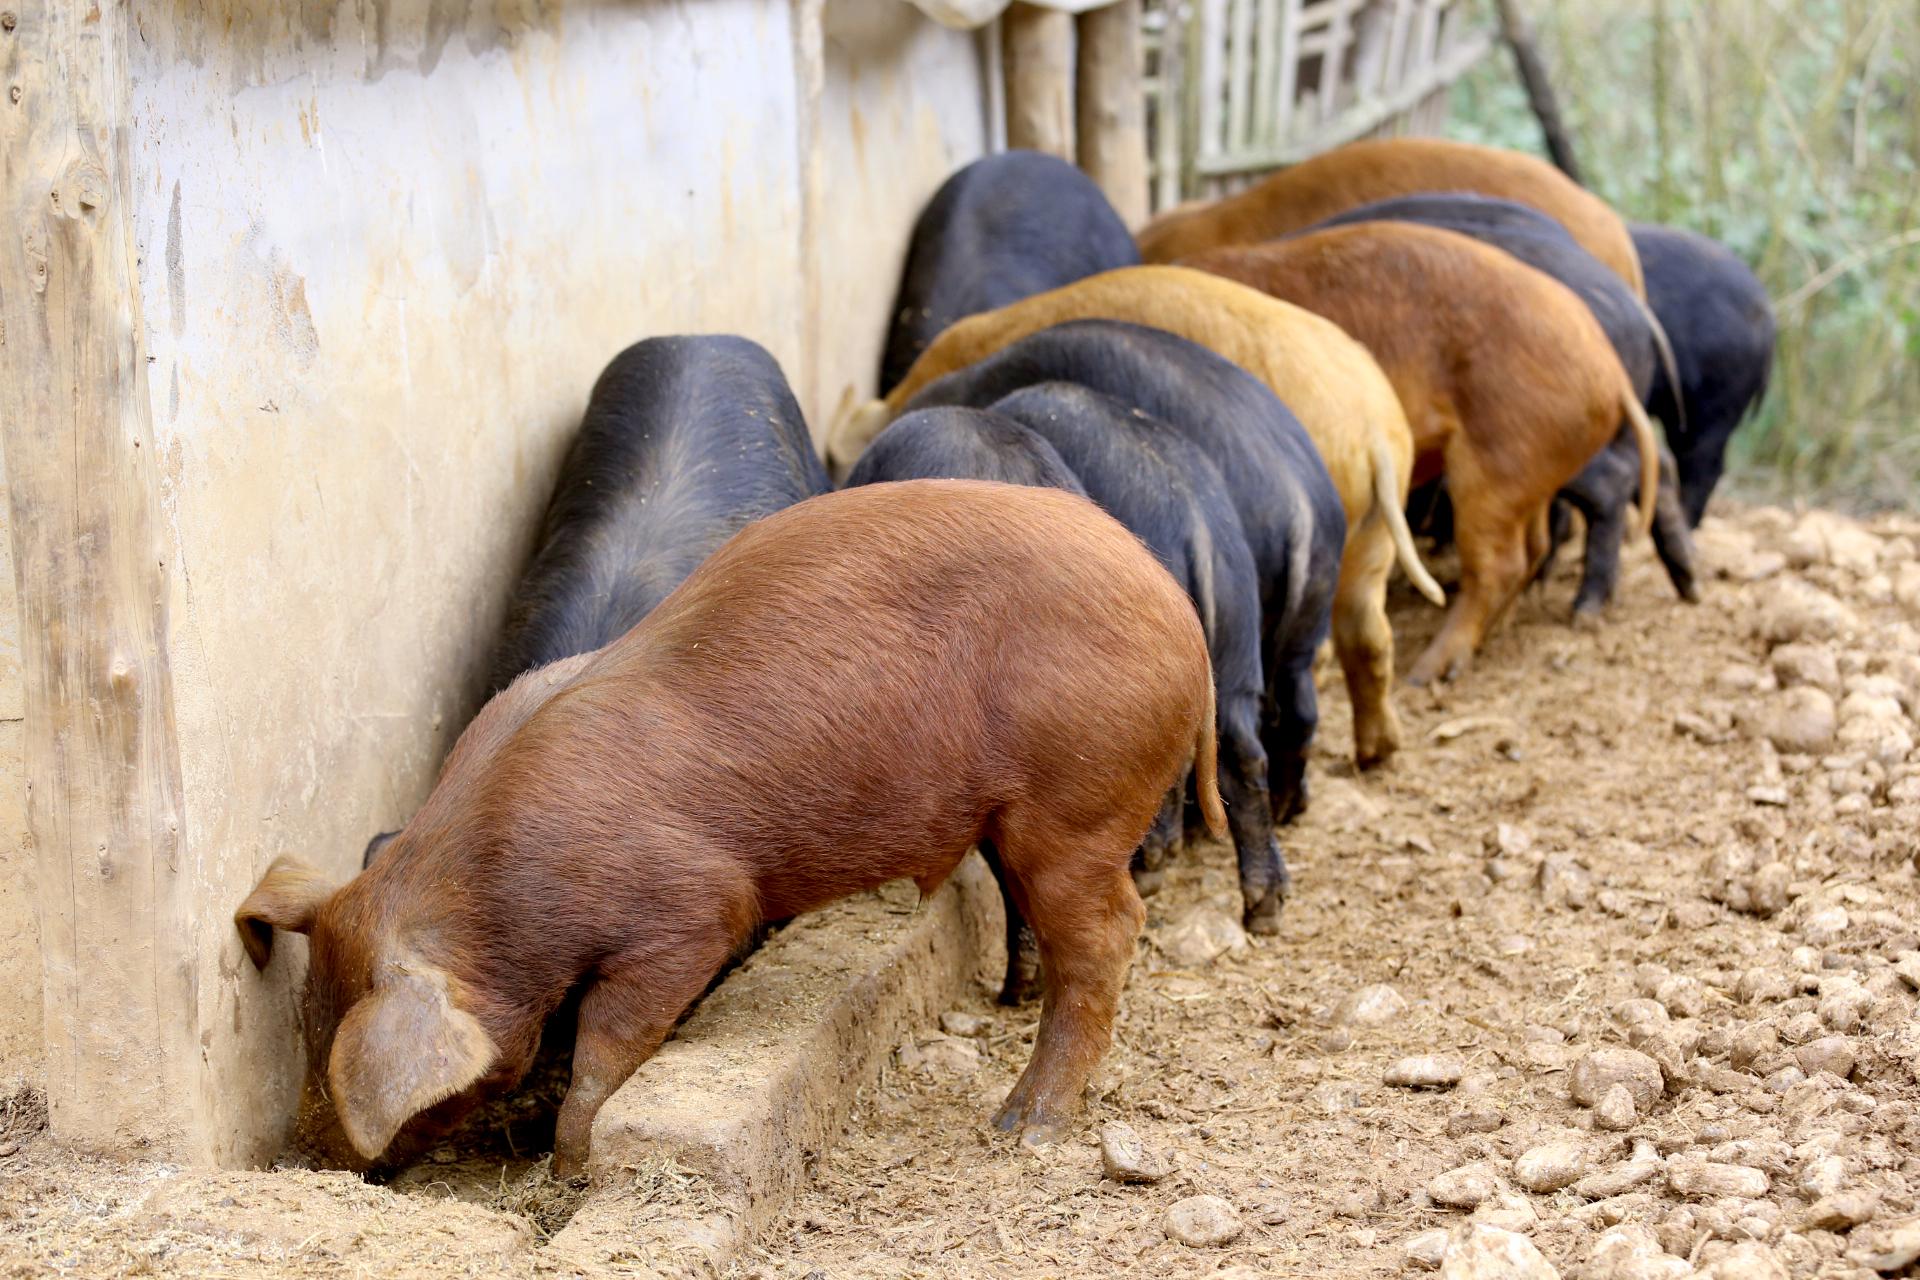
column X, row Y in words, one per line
column 1290, row 714
column 624, row 1016
column 1364, row 641
column 1539, row 540
column 1087, row 915
column 1150, row 859
column 1022, row 981
column 1493, row 568
column 1606, row 531
column 1264, row 879
column 1672, row 536
column 1600, row 493
column 1559, row 530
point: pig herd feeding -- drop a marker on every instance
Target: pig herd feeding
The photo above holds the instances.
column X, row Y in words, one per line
column 1106, row 516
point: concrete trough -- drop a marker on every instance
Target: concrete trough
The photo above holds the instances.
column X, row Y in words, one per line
column 733, row 1111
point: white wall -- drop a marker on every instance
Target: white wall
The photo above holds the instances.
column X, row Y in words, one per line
column 384, row 249
column 19, row 929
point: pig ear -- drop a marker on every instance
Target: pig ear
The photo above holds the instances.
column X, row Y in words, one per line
column 400, row 1050
column 287, row 897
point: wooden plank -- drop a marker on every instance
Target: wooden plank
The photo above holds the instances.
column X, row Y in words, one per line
column 118, row 929
column 1209, row 91
column 1397, row 39
column 1372, row 26
column 1266, row 74
column 1170, row 101
column 1038, row 55
column 1427, row 38
column 1240, row 70
column 1287, row 67
column 1112, row 110
column 1361, row 121
column 1333, row 62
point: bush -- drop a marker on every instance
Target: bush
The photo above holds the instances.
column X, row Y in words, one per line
column 1789, row 130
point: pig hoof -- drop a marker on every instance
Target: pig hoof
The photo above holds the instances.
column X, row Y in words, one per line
column 1374, row 753
column 1264, row 918
column 1036, row 1123
column 1041, row 1133
column 1019, row 991
column 1689, row 591
column 1149, row 880
column 1586, row 617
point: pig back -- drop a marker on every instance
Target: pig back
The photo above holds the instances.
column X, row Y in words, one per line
column 685, row 440
column 851, row 690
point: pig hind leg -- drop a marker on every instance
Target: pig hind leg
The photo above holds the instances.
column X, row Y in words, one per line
column 1290, row 713
column 1601, row 493
column 1559, row 530
column 1364, row 642
column 1086, row 915
column 1022, row 980
column 1492, row 537
column 1264, row 879
column 1151, row 858
column 1672, row 536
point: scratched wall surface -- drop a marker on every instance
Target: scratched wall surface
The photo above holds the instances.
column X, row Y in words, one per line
column 385, row 246
column 889, row 134
column 19, row 929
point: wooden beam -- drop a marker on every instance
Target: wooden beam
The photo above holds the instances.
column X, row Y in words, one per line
column 102, row 760
column 1540, row 96
column 1360, row 121
column 1039, row 71
column 1113, row 106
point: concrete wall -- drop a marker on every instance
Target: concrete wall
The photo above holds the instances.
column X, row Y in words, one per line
column 19, row 930
column 888, row 134
column 383, row 249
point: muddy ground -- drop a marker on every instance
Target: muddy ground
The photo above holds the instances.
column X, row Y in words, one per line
column 1591, row 867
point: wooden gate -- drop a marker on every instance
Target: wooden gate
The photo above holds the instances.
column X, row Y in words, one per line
column 1237, row 88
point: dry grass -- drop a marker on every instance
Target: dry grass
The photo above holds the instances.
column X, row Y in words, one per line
column 1790, row 130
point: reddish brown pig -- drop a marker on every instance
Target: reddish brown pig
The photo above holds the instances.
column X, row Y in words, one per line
column 1361, row 172
column 1508, row 381
column 853, row 690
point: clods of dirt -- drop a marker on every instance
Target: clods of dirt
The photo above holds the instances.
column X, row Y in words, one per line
column 1610, row 975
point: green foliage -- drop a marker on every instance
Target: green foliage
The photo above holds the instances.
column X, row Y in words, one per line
column 1790, row 131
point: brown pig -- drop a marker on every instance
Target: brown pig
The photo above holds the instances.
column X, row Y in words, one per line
column 1329, row 381
column 850, row 691
column 1377, row 169
column 1508, row 381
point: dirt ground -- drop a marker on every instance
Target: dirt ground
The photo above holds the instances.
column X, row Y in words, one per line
column 1591, row 866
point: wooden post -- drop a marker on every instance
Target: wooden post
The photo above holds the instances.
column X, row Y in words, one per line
column 102, row 761
column 1113, row 106
column 1533, row 74
column 1039, row 71
column 809, row 83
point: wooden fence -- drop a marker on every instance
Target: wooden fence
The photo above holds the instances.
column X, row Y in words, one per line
column 1237, row 88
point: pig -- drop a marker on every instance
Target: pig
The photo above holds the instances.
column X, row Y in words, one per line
column 1315, row 189
column 955, row 443
column 1288, row 508
column 1720, row 320
column 685, row 440
column 1509, row 383
column 1164, row 487
column 1000, row 229
column 1023, row 674
column 1341, row 397
column 1172, row 497
column 1607, row 485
